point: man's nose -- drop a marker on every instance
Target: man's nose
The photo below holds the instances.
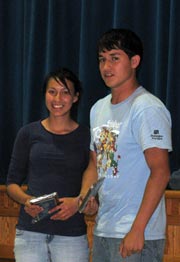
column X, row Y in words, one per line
column 107, row 64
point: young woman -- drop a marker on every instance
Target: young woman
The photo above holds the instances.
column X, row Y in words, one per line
column 51, row 155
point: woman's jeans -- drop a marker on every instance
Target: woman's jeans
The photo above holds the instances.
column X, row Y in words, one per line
column 38, row 247
column 107, row 250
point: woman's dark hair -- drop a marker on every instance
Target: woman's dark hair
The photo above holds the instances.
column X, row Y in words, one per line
column 123, row 39
column 61, row 75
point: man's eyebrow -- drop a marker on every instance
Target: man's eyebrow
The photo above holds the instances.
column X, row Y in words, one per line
column 115, row 53
column 100, row 56
column 112, row 54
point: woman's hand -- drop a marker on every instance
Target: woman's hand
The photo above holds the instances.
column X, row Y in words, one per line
column 32, row 210
column 68, row 207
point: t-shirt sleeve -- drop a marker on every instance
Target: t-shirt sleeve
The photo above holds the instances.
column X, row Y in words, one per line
column 152, row 128
column 17, row 171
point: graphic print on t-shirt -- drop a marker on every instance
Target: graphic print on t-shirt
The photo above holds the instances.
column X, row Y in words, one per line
column 105, row 140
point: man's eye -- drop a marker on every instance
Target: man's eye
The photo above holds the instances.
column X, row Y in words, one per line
column 115, row 58
column 101, row 59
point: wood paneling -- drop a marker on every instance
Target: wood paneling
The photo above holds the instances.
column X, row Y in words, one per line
column 9, row 211
column 172, row 250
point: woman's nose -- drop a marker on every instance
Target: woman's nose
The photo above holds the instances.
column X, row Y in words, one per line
column 58, row 96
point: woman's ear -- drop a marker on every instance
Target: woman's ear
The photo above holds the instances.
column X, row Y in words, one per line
column 76, row 97
column 135, row 61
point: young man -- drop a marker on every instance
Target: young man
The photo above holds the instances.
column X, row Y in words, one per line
column 131, row 137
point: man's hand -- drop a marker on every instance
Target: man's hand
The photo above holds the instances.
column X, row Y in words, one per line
column 132, row 243
column 91, row 207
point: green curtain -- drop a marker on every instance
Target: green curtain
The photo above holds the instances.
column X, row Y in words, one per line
column 37, row 36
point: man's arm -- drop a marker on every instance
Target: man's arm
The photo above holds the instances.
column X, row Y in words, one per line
column 158, row 162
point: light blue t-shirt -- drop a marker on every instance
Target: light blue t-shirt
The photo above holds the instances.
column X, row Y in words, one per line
column 120, row 134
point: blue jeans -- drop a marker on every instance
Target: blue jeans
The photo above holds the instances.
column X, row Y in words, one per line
column 38, row 247
column 107, row 250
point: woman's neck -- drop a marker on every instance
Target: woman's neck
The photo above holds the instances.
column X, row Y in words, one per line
column 57, row 126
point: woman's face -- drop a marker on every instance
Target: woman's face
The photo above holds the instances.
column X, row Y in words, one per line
column 60, row 99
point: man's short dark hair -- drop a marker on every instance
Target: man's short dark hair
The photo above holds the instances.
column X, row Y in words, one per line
column 123, row 39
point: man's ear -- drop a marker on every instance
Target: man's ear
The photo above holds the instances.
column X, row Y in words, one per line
column 135, row 61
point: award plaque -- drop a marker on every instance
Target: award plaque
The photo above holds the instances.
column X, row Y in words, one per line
column 93, row 190
column 47, row 202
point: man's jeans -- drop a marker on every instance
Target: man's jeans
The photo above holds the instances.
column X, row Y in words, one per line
column 107, row 250
column 38, row 247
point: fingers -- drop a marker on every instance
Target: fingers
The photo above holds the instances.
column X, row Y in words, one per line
column 33, row 210
column 91, row 208
column 67, row 208
column 128, row 249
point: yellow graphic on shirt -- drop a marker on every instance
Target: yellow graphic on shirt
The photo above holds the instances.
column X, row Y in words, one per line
column 106, row 147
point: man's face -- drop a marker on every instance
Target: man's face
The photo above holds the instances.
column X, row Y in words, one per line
column 116, row 67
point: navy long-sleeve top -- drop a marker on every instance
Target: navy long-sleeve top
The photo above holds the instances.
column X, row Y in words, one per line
column 48, row 163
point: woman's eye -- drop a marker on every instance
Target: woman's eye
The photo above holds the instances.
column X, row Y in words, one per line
column 65, row 91
column 51, row 92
